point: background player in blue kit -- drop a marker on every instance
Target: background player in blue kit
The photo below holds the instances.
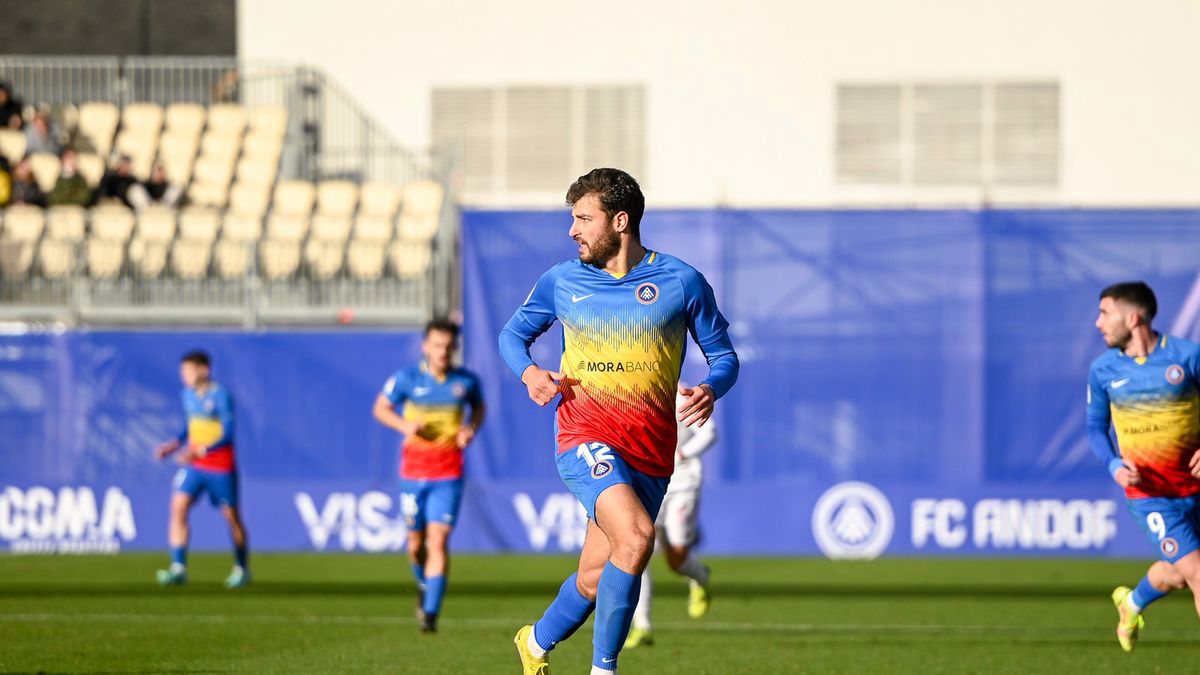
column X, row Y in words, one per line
column 205, row 449
column 431, row 397
column 1147, row 388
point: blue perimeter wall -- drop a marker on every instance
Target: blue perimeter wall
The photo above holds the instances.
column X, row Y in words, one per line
column 912, row 384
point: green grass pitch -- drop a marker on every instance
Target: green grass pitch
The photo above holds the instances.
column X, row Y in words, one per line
column 354, row 613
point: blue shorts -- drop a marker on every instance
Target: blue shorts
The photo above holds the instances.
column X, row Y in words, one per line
column 222, row 488
column 430, row 501
column 1172, row 523
column 594, row 467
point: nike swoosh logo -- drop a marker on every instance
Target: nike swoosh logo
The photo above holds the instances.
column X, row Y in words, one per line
column 607, row 660
column 1117, row 384
column 577, row 298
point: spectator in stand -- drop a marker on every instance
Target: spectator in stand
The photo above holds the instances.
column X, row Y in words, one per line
column 72, row 188
column 41, row 136
column 10, row 108
column 115, row 184
column 5, row 181
column 158, row 191
column 25, row 189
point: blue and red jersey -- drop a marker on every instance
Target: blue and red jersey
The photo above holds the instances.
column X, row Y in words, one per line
column 433, row 452
column 209, row 424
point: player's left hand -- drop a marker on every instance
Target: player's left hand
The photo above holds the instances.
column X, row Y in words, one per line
column 1194, row 464
column 192, row 452
column 464, row 436
column 697, row 406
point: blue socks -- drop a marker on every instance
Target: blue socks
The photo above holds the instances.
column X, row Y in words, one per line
column 179, row 555
column 418, row 571
column 564, row 616
column 435, row 589
column 616, row 599
column 1145, row 594
column 240, row 556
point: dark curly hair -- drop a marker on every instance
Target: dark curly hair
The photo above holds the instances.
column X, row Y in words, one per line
column 617, row 191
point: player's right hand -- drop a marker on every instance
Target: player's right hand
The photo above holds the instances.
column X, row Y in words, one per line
column 542, row 384
column 165, row 449
column 1194, row 464
column 1126, row 476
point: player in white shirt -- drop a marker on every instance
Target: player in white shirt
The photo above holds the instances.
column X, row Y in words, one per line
column 677, row 529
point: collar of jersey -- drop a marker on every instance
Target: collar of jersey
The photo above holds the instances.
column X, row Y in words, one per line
column 647, row 259
column 424, row 366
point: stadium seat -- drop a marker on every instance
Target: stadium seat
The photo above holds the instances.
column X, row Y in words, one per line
column 208, row 194
column 185, row 119
column 294, row 198
column 241, row 227
column 156, row 224
column 365, row 260
column 283, row 227
column 146, row 118
column 324, row 258
column 409, row 259
column 148, row 258
column 12, row 145
column 189, row 258
column 379, row 199
column 233, row 258
column 66, row 223
column 104, row 258
column 421, row 210
column 262, row 146
column 46, row 168
column 16, row 257
column 91, row 167
column 337, row 197
column 177, row 152
column 269, row 120
column 112, row 223
column 251, row 199
column 377, row 229
column 331, row 228
column 98, row 122
column 227, row 118
column 23, row 223
column 57, row 258
column 220, row 145
column 279, row 259
column 258, row 170
column 199, row 224
column 141, row 147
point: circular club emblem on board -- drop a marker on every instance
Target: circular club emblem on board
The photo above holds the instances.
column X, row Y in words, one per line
column 1169, row 546
column 647, row 293
column 1174, row 373
column 852, row 521
column 601, row 469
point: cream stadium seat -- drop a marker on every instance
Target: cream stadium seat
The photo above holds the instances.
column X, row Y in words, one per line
column 331, row 228
column 324, row 258
column 104, row 258
column 57, row 258
column 279, row 260
column 249, row 199
column 262, row 146
column 227, row 118
column 46, row 168
column 241, row 227
column 337, row 197
column 66, row 223
column 189, row 258
column 185, row 119
column 91, row 167
column 149, row 258
column 12, row 145
column 409, row 259
column 421, row 210
column 142, row 117
column 112, row 223
column 23, row 223
column 294, row 198
column 98, row 122
column 16, row 257
column 376, row 229
column 210, row 182
column 141, row 147
column 156, row 223
column 283, row 227
column 220, row 145
column 208, row 195
column 256, row 170
column 233, row 258
column 177, row 152
column 269, row 119
column 199, row 223
column 379, row 199
column 365, row 259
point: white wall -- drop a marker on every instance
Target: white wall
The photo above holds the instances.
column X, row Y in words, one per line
column 741, row 94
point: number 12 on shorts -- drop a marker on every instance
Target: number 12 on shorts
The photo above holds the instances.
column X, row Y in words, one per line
column 599, row 452
column 1156, row 524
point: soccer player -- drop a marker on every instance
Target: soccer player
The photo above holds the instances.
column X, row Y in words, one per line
column 1146, row 387
column 431, row 396
column 626, row 312
column 676, row 527
column 205, row 448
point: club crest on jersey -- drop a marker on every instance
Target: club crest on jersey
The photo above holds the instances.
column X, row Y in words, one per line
column 646, row 293
column 601, row 469
column 1169, row 546
column 1174, row 373
column 458, row 390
